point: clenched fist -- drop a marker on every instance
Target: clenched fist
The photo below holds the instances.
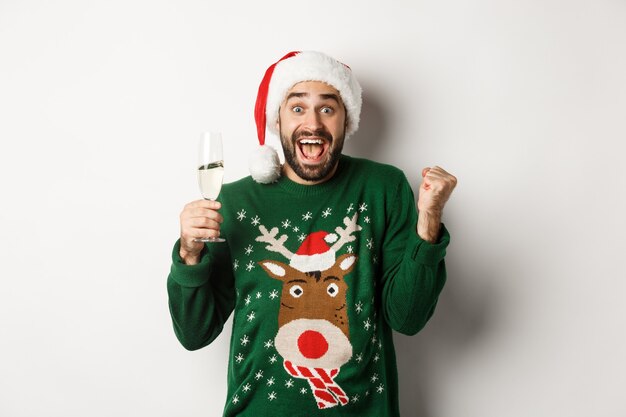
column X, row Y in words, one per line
column 199, row 219
column 434, row 192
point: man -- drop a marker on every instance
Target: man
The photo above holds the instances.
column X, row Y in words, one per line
column 324, row 256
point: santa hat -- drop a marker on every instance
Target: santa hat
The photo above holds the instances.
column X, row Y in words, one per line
column 314, row 253
column 291, row 69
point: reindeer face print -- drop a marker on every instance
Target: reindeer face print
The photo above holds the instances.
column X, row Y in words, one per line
column 312, row 320
column 319, row 294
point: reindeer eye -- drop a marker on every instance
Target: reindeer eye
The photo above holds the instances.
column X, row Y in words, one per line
column 332, row 290
column 296, row 291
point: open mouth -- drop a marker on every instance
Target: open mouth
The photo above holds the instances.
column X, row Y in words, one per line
column 312, row 149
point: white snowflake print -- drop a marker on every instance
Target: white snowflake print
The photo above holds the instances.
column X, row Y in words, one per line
column 235, row 399
column 289, row 383
column 303, row 391
column 363, row 207
column 270, row 382
column 272, row 396
column 374, row 378
column 367, row 324
column 380, row 345
column 273, row 359
column 366, row 219
column 246, row 388
column 359, row 358
column 258, row 375
column 370, row 243
column 235, row 265
column 350, row 208
column 367, row 393
column 258, row 295
column 307, row 216
column 245, row 340
column 268, row 344
column 376, row 358
column 256, row 221
column 273, row 294
column 251, row 316
column 327, row 212
column 374, row 339
column 249, row 250
column 302, row 237
column 380, row 389
column 286, row 223
column 358, row 307
column 296, row 229
column 248, row 299
column 375, row 260
column 350, row 249
column 355, row 398
column 250, row 266
column 241, row 215
column 239, row 358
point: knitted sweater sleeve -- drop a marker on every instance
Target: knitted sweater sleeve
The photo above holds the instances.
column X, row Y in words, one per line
column 201, row 297
column 414, row 270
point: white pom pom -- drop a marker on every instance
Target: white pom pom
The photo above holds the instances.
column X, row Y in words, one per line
column 264, row 165
column 331, row 238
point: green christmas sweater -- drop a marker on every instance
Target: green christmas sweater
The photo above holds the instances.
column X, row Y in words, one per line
column 317, row 277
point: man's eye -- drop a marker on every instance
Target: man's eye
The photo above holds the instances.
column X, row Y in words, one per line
column 326, row 110
column 297, row 109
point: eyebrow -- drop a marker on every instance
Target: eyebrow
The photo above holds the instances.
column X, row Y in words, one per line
column 329, row 96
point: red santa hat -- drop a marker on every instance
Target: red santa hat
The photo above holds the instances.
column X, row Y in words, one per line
column 314, row 253
column 291, row 69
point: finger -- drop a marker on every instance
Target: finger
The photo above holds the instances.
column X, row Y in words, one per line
column 190, row 233
column 207, row 204
column 205, row 233
column 425, row 171
column 203, row 223
column 203, row 212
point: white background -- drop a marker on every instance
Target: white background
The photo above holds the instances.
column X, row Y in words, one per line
column 101, row 106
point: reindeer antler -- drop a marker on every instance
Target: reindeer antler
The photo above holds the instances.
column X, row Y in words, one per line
column 345, row 235
column 275, row 245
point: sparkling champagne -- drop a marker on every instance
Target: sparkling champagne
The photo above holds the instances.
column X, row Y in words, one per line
column 210, row 178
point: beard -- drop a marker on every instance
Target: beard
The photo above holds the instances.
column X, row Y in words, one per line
column 312, row 172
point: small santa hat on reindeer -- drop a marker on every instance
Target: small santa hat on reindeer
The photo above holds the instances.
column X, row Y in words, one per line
column 314, row 253
column 295, row 67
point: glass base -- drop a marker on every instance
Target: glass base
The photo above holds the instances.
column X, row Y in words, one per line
column 210, row 239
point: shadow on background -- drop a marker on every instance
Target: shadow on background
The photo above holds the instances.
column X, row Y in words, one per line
column 459, row 320
column 369, row 139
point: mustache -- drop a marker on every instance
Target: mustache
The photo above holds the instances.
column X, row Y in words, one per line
column 321, row 133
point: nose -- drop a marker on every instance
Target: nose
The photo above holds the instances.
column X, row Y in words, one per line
column 312, row 344
column 312, row 121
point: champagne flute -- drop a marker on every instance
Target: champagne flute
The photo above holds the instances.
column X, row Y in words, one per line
column 210, row 170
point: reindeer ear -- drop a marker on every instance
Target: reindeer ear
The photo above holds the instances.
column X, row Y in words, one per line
column 346, row 262
column 275, row 269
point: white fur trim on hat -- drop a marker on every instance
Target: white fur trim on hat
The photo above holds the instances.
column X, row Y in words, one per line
column 314, row 66
column 315, row 262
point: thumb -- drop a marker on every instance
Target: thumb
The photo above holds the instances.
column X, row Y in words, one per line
column 425, row 171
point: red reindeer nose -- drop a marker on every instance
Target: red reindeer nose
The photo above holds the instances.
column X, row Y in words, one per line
column 312, row 344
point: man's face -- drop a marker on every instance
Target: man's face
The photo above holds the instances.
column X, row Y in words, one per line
column 312, row 125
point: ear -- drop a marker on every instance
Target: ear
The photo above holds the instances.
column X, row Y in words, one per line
column 346, row 262
column 276, row 269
